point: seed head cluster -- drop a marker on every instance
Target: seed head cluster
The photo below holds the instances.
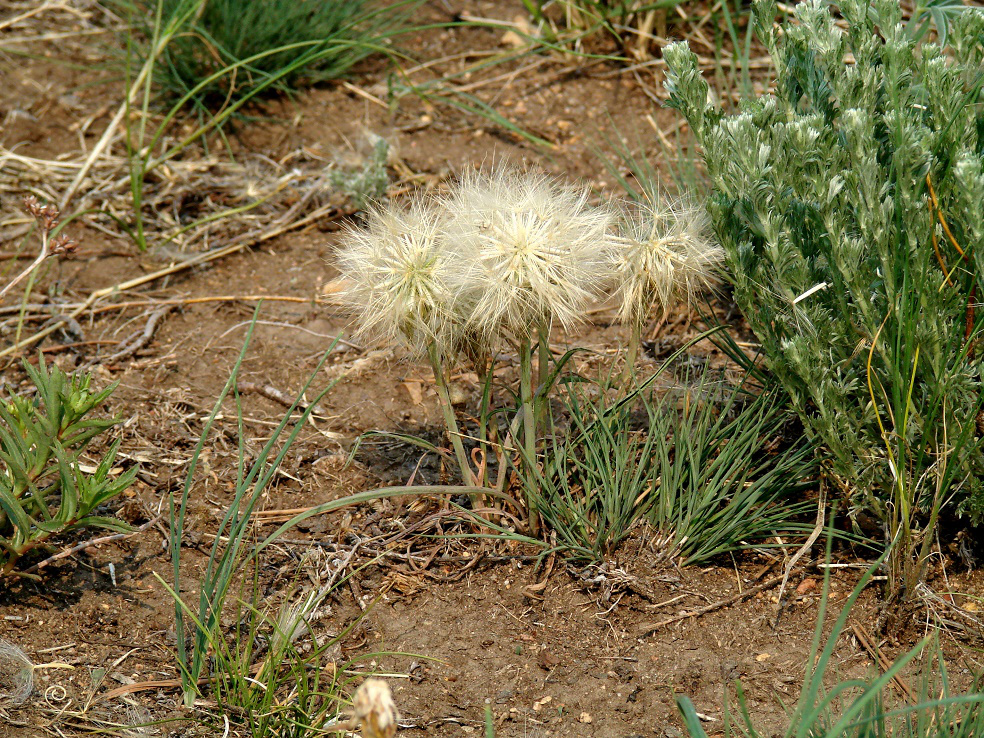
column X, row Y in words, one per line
column 532, row 252
column 398, row 273
column 663, row 254
column 508, row 253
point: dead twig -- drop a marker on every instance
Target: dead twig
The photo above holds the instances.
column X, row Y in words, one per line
column 93, row 542
column 77, row 344
column 871, row 647
column 647, row 629
column 136, row 341
column 817, row 529
column 272, row 393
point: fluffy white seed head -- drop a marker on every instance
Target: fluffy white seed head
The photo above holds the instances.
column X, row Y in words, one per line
column 396, row 273
column 532, row 251
column 374, row 709
column 664, row 254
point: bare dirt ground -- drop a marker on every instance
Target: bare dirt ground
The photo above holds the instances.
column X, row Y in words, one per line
column 551, row 652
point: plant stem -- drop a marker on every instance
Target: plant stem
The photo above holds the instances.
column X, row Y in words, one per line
column 632, row 353
column 444, row 397
column 542, row 373
column 34, row 265
column 35, row 268
column 483, row 424
column 529, row 420
column 482, row 362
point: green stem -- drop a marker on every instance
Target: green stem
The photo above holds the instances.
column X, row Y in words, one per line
column 445, row 402
column 635, row 339
column 507, row 448
column 529, row 420
column 31, row 279
column 542, row 373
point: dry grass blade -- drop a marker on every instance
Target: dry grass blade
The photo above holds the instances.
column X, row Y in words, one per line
column 647, row 629
column 871, row 647
column 193, row 189
column 282, row 225
column 175, row 301
column 25, row 15
column 91, row 542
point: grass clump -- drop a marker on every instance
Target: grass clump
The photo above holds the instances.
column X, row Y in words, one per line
column 691, row 465
column 717, row 486
column 217, row 56
column 631, row 24
column 861, row 708
column 267, row 671
column 231, row 552
column 848, row 203
column 240, row 44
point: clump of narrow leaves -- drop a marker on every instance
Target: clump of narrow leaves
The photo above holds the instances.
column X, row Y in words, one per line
column 693, row 465
column 46, row 488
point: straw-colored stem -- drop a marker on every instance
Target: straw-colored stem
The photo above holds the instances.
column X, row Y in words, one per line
column 44, row 253
column 447, row 408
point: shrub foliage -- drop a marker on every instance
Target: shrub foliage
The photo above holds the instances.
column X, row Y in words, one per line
column 849, row 201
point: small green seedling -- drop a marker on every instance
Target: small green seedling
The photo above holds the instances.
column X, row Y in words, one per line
column 46, row 489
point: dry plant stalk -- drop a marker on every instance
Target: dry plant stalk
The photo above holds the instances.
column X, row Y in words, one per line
column 46, row 217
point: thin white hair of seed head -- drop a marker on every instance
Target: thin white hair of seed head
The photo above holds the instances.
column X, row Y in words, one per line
column 664, row 254
column 16, row 675
column 373, row 708
column 397, row 276
column 533, row 251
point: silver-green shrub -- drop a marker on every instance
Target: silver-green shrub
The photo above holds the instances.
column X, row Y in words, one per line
column 830, row 196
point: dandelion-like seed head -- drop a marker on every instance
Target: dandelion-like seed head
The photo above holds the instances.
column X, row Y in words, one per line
column 664, row 254
column 532, row 251
column 397, row 276
column 374, row 709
